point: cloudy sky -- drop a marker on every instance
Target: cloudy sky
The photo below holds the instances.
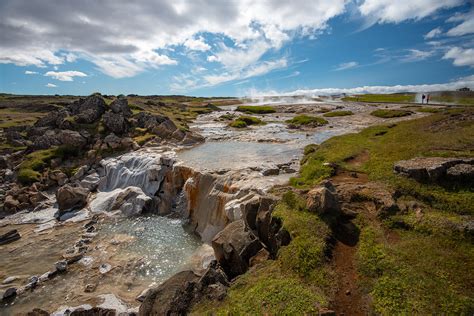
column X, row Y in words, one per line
column 235, row 47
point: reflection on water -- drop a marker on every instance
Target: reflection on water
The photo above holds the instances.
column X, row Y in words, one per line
column 162, row 243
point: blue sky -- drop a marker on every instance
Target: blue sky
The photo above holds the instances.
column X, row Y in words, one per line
column 235, row 48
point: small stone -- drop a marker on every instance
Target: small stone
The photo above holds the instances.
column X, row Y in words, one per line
column 10, row 279
column 9, row 293
column 104, row 268
column 90, row 288
column 33, row 280
column 45, row 276
column 348, row 292
column 61, row 266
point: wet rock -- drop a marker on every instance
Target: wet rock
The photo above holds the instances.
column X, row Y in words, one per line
column 70, row 197
column 80, row 173
column 9, row 237
column 120, row 105
column 115, row 122
column 61, row 266
column 431, row 169
column 234, row 246
column 32, row 282
column 9, row 294
column 271, row 171
column 10, row 279
column 323, row 199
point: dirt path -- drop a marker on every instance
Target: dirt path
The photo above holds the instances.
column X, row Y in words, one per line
column 348, row 299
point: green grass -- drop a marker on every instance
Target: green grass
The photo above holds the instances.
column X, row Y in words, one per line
column 142, row 139
column 386, row 146
column 429, row 110
column 307, row 120
column 419, row 274
column 245, row 121
column 390, row 113
column 256, row 109
column 452, row 100
column 338, row 113
column 396, row 98
column 296, row 283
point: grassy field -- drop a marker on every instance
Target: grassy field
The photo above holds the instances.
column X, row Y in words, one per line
column 395, row 98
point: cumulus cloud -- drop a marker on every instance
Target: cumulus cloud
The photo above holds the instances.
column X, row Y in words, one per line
column 389, row 11
column 460, row 83
column 348, row 65
column 433, row 33
column 131, row 37
column 466, row 26
column 461, row 56
column 51, row 85
column 29, row 72
column 65, row 75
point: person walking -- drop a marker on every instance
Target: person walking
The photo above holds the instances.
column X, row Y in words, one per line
column 423, row 96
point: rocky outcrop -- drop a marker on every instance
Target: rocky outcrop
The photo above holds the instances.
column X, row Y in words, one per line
column 234, row 246
column 323, row 199
column 70, row 198
column 434, row 169
column 88, row 110
column 115, row 122
column 178, row 294
column 120, row 105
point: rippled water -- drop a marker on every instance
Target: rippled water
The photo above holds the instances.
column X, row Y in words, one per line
column 162, row 243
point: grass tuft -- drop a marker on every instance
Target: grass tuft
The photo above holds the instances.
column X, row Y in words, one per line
column 256, row 109
column 338, row 113
column 390, row 113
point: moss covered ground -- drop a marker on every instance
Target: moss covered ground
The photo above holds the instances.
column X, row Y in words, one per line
column 256, row 109
column 396, row 98
column 307, row 120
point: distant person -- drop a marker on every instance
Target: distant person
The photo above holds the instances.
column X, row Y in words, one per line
column 427, row 99
column 423, row 98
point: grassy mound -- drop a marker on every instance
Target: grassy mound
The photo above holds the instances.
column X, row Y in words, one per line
column 256, row 109
column 390, row 113
column 307, row 120
column 429, row 110
column 244, row 121
column 296, row 283
column 338, row 113
column 396, row 98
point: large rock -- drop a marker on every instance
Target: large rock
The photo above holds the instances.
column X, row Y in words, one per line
column 120, row 105
column 234, row 246
column 148, row 120
column 461, row 173
column 115, row 122
column 323, row 199
column 113, row 141
column 430, row 169
column 47, row 140
column 88, row 110
column 130, row 201
column 9, row 237
column 178, row 294
column 70, row 197
column 72, row 138
column 53, row 119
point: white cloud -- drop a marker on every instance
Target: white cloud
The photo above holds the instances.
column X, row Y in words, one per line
column 416, row 55
column 65, row 75
column 390, row 11
column 293, row 74
column 126, row 40
column 433, row 33
column 212, row 58
column 460, row 56
column 28, row 72
column 197, row 44
column 466, row 26
column 51, row 85
column 348, row 65
column 460, row 83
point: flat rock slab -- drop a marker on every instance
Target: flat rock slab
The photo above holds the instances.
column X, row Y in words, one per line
column 429, row 169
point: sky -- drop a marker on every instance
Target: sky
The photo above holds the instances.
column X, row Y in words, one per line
column 235, row 47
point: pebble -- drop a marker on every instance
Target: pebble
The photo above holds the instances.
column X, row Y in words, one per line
column 45, row 276
column 104, row 268
column 90, row 288
column 61, row 266
column 9, row 293
column 10, row 279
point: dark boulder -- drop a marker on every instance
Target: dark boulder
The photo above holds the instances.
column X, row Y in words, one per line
column 120, row 105
column 461, row 173
column 115, row 122
column 72, row 138
column 88, row 110
column 9, row 237
column 95, row 311
column 148, row 120
column 234, row 246
column 70, row 197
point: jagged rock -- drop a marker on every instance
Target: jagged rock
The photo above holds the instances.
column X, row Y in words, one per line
column 113, row 141
column 69, row 197
column 80, row 172
column 178, row 294
column 461, row 173
column 323, row 199
column 9, row 237
column 115, row 122
column 9, row 293
column 120, row 105
column 58, row 176
column 53, row 119
column 130, row 201
column 60, row 266
column 148, row 120
column 431, row 169
column 90, row 182
column 72, row 138
column 271, row 171
column 11, row 205
column 47, row 140
column 88, row 110
column 234, row 246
